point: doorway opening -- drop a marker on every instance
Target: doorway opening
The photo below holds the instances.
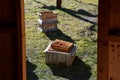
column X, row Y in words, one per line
column 77, row 24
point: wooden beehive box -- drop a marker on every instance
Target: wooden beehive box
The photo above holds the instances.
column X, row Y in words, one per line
column 46, row 15
column 47, row 25
column 57, row 57
column 47, row 21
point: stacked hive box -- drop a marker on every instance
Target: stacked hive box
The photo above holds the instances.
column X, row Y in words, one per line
column 47, row 20
column 60, row 52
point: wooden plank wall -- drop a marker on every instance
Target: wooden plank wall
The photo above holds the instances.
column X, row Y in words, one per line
column 109, row 40
column 114, row 60
column 114, row 41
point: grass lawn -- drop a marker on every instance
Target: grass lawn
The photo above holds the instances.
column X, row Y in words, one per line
column 77, row 24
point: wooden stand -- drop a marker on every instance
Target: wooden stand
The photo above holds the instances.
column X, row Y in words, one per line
column 59, row 57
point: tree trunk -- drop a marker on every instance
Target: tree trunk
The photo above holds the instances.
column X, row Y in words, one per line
column 59, row 2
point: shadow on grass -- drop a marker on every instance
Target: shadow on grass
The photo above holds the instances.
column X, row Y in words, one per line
column 83, row 12
column 92, row 28
column 78, row 71
column 39, row 2
column 86, row 3
column 75, row 14
column 58, row 34
column 72, row 12
column 30, row 68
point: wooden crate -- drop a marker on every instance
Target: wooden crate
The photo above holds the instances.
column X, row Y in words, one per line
column 46, row 15
column 57, row 57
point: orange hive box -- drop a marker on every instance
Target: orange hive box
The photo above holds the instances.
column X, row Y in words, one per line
column 62, row 46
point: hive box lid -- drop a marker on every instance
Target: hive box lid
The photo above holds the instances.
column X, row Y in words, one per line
column 72, row 52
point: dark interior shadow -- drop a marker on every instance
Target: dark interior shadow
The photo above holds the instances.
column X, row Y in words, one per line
column 74, row 13
column 30, row 68
column 114, row 31
column 78, row 71
column 58, row 34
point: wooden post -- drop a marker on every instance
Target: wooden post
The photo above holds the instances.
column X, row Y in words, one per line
column 21, row 40
column 103, row 39
column 59, row 2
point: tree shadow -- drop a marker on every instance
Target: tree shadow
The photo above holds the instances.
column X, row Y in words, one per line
column 75, row 14
column 78, row 71
column 72, row 12
column 83, row 12
column 92, row 28
column 86, row 3
column 58, row 34
column 30, row 68
column 39, row 2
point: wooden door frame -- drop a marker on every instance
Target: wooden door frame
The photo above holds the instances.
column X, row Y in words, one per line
column 103, row 39
column 21, row 40
column 102, row 59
